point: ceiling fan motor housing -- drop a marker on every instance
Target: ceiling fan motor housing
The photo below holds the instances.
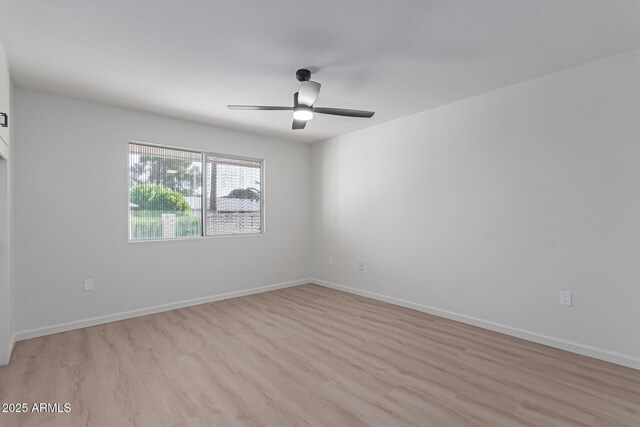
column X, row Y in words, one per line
column 303, row 75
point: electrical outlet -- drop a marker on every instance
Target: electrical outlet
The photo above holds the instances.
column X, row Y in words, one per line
column 330, row 260
column 88, row 285
column 565, row 298
column 361, row 266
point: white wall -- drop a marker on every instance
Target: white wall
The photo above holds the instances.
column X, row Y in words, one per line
column 485, row 209
column 6, row 299
column 70, row 187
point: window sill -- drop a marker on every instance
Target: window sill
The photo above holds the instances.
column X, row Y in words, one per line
column 182, row 239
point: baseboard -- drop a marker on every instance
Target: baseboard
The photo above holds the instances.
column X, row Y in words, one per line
column 93, row 321
column 585, row 350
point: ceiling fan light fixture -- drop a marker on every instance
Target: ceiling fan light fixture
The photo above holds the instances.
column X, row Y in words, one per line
column 302, row 112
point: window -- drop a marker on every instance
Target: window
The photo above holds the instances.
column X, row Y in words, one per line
column 233, row 199
column 168, row 198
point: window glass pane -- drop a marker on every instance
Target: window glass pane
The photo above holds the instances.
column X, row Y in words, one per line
column 165, row 193
column 233, row 200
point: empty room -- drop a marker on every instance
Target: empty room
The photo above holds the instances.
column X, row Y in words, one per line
column 332, row 213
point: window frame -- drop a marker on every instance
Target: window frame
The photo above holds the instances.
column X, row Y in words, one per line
column 205, row 188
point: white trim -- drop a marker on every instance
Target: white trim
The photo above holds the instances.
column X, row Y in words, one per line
column 12, row 343
column 574, row 347
column 197, row 238
column 4, row 149
column 4, row 361
column 84, row 323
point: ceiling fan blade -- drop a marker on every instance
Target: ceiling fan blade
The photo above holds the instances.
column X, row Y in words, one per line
column 298, row 124
column 258, row 107
column 344, row 112
column 308, row 93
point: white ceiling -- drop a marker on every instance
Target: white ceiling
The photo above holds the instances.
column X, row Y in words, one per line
column 189, row 59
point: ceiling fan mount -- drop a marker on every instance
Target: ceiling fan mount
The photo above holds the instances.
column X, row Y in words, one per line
column 304, row 103
column 303, row 75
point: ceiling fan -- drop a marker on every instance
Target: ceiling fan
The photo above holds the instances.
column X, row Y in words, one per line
column 303, row 101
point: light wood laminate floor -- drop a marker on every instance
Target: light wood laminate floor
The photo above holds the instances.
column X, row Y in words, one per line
column 309, row 355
